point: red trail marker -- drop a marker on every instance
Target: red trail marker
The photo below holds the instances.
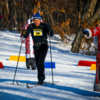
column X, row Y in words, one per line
column 1, row 65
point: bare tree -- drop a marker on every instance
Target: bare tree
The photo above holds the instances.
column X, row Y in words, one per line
column 90, row 13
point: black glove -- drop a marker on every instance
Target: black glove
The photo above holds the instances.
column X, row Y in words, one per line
column 49, row 28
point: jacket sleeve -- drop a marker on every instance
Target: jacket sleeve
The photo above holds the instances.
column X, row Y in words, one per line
column 27, row 32
column 95, row 31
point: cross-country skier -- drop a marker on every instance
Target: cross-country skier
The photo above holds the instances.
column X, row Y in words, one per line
column 39, row 32
column 30, row 59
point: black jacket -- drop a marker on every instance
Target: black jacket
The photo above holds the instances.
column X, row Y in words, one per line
column 39, row 34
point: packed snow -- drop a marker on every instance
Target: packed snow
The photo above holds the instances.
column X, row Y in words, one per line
column 75, row 82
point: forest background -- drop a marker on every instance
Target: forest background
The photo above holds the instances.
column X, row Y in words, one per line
column 65, row 17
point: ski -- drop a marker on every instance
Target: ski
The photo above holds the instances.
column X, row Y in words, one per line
column 36, row 85
column 28, row 85
column 18, row 83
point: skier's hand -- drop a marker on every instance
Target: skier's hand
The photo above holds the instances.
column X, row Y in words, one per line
column 23, row 32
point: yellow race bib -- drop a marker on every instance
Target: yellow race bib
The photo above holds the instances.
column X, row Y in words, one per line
column 37, row 32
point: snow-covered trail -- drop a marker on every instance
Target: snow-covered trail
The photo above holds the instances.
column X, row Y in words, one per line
column 75, row 82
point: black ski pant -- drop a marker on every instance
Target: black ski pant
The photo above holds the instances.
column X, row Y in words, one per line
column 40, row 55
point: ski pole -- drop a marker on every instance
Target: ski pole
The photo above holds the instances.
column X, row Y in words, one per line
column 17, row 61
column 51, row 59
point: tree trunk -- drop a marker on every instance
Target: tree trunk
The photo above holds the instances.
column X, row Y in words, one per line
column 94, row 17
column 10, row 15
column 51, row 19
column 77, row 41
column 1, row 22
column 92, row 6
column 88, row 9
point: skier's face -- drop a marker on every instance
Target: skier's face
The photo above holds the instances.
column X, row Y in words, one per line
column 37, row 22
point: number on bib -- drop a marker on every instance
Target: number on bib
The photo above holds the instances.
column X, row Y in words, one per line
column 37, row 32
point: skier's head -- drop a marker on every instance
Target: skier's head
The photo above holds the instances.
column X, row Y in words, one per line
column 37, row 19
